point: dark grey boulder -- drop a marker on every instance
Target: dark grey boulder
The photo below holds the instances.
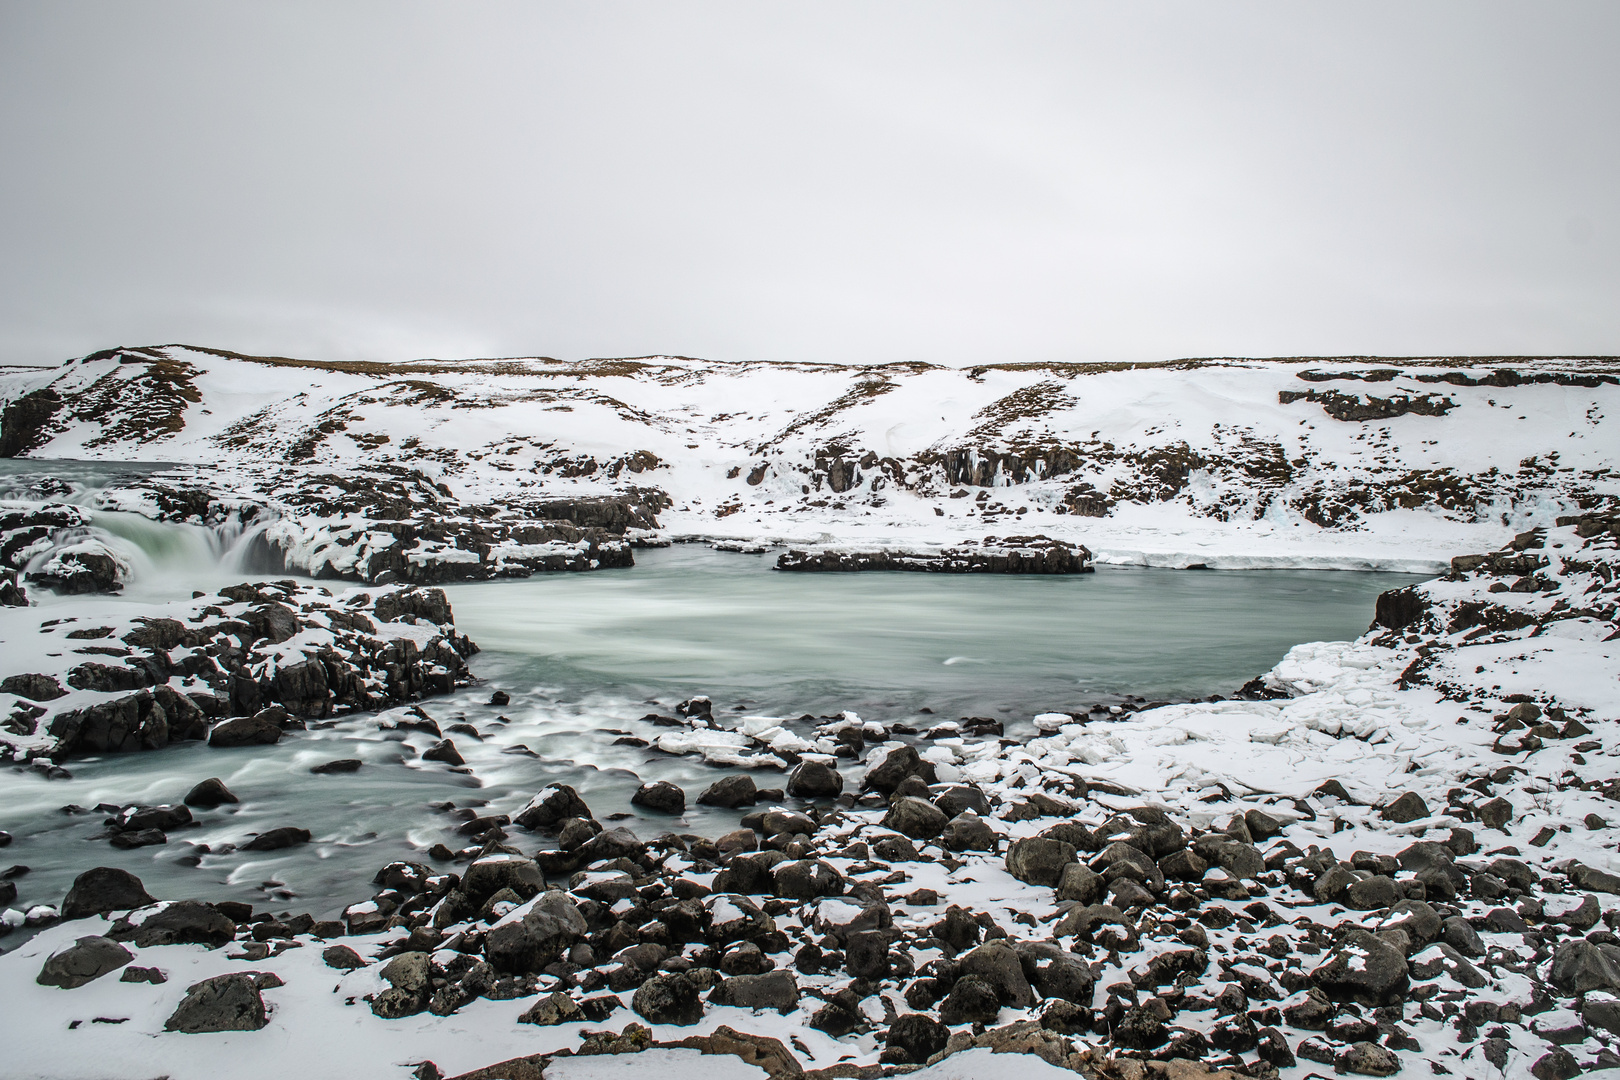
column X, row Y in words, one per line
column 1368, row 1059
column 1235, row 857
column 968, row 831
column 916, row 818
column 777, row 990
column 866, row 955
column 1080, row 883
column 914, row 1038
column 998, row 963
column 730, row 791
column 1593, row 879
column 663, row 796
column 1409, row 807
column 85, row 960
column 898, row 764
column 972, row 1000
column 341, row 765
column 668, row 999
column 104, row 889
column 1579, row 967
column 223, row 1003
column 805, row 879
column 1038, row 860
column 1421, row 922
column 444, row 751
column 183, row 922
column 285, row 837
column 209, row 794
column 1055, row 973
column 1372, row 893
column 1363, row 969
column 552, row 806
column 492, row 873
column 542, row 937
column 342, row 958
column 1460, row 934
column 263, row 728
column 814, row 780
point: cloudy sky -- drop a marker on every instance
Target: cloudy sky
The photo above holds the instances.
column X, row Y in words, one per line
column 871, row 181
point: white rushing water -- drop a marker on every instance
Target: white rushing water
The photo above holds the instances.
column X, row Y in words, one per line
column 584, row 656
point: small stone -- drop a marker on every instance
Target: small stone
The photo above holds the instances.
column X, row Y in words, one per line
column 342, row 958
column 133, row 974
column 553, row 1009
column 668, row 999
column 1368, row 1059
column 500, row 698
column 1494, row 813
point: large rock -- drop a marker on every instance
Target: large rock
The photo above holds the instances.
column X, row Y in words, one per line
column 663, row 796
column 183, row 922
column 971, row 1001
column 998, row 963
column 85, row 960
column 968, row 831
column 489, row 875
column 542, row 937
column 263, row 728
column 814, row 780
column 1409, row 807
column 1235, row 857
column 104, row 889
column 1364, row 969
column 1056, row 973
column 223, row 1003
column 915, row 818
column 1038, row 860
column 898, row 764
column 210, row 793
column 777, row 990
column 552, row 806
column 1579, row 967
column 914, row 1038
column 668, row 999
column 804, row 879
column 285, row 837
column 730, row 791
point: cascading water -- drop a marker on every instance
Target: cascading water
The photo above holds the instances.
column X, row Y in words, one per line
column 586, row 656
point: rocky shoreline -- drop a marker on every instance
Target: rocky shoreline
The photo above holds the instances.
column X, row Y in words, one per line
column 1012, row 555
column 1431, row 894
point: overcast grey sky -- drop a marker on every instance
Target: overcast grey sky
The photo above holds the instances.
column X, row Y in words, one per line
column 951, row 182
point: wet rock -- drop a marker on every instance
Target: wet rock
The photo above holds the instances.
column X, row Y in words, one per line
column 730, row 791
column 209, row 794
column 814, row 780
column 139, row 838
column 552, row 806
column 263, row 728
column 223, row 1003
column 183, row 922
column 916, row 818
column 332, row 768
column 104, row 889
column 85, row 960
column 285, row 837
column 777, row 990
column 663, row 796
column 444, row 751
column 668, row 999
column 492, row 873
column 1038, row 860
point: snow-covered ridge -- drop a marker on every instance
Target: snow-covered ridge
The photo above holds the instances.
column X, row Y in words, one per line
column 1294, row 462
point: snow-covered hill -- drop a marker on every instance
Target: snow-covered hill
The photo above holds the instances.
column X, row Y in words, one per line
column 1301, row 461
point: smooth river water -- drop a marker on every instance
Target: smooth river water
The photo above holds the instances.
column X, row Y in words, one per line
column 584, row 656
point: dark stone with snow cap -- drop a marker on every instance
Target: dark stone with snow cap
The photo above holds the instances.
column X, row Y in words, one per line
column 551, row 806
column 223, row 1003
column 263, row 728
column 900, row 763
column 1409, row 807
column 777, row 990
column 970, row 832
column 184, row 922
column 106, row 888
column 663, row 796
column 971, row 1001
column 85, row 960
column 1363, row 969
column 998, row 963
column 814, row 780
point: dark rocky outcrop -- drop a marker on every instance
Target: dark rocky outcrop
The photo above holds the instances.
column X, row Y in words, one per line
column 1014, row 555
